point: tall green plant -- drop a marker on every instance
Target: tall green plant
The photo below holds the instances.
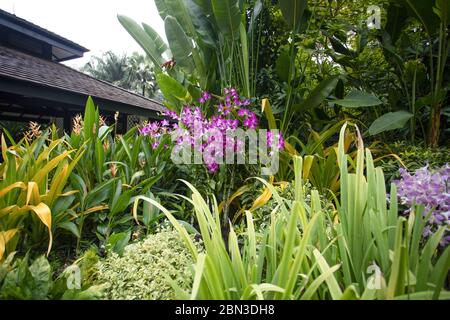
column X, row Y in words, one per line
column 365, row 252
column 434, row 18
column 268, row 266
column 370, row 230
column 112, row 170
column 214, row 45
column 34, row 194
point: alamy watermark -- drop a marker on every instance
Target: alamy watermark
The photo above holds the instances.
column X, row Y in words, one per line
column 374, row 19
column 73, row 277
column 374, row 282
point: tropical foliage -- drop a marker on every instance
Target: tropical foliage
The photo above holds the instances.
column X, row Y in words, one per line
column 304, row 254
column 336, row 220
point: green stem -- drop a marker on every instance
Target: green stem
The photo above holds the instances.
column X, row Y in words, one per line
column 413, row 105
column 285, row 123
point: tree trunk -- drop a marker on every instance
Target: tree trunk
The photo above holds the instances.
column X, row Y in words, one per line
column 433, row 134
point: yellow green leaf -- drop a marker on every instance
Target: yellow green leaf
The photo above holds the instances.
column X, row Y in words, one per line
column 5, row 236
column 4, row 147
column 42, row 173
column 33, row 196
column 263, row 198
column 45, row 215
column 290, row 149
column 44, row 155
column 93, row 209
column 2, row 246
column 236, row 194
column 307, row 163
column 15, row 185
column 7, row 210
column 57, row 185
column 267, row 109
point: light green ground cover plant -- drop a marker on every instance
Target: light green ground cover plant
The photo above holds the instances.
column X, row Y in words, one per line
column 147, row 268
column 369, row 252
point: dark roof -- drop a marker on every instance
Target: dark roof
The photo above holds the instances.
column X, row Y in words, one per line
column 24, row 25
column 16, row 65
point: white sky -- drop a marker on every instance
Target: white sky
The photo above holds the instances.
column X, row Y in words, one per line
column 90, row 23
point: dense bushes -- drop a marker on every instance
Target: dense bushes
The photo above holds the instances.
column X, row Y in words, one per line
column 413, row 157
column 142, row 272
column 75, row 186
column 35, row 196
column 294, row 243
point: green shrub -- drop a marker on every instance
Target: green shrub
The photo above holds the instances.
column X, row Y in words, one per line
column 141, row 272
column 413, row 157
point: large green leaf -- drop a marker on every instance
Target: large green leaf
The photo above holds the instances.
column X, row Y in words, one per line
column 180, row 45
column 245, row 59
column 89, row 119
column 356, row 99
column 143, row 39
column 423, row 11
column 338, row 45
column 255, row 14
column 227, row 15
column 396, row 18
column 205, row 4
column 205, row 31
column 160, row 46
column 42, row 275
column 283, row 66
column 19, row 282
column 293, row 11
column 174, row 93
column 319, row 94
column 390, row 121
column 163, row 8
column 442, row 9
column 180, row 11
column 118, row 241
column 71, row 227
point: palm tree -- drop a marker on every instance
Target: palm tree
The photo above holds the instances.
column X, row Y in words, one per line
column 134, row 73
column 144, row 76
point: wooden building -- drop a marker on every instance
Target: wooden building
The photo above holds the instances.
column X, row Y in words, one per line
column 35, row 86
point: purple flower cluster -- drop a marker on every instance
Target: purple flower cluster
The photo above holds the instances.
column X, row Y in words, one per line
column 155, row 130
column 277, row 140
column 206, row 96
column 210, row 127
column 430, row 188
column 250, row 121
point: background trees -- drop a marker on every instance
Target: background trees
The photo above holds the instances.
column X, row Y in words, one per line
column 134, row 72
